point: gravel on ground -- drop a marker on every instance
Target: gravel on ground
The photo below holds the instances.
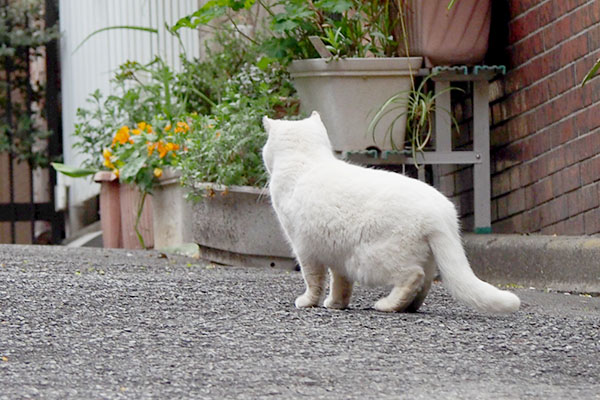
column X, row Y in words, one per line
column 97, row 323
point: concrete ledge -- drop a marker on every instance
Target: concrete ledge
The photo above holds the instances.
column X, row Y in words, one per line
column 569, row 263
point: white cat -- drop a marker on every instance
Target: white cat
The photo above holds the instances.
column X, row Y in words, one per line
column 369, row 226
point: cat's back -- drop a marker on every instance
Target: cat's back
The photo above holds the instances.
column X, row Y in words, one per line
column 335, row 177
column 356, row 192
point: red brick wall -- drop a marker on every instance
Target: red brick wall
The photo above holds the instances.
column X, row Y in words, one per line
column 545, row 128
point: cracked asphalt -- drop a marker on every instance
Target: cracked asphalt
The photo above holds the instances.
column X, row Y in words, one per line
column 112, row 324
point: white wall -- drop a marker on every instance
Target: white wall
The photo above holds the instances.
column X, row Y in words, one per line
column 93, row 64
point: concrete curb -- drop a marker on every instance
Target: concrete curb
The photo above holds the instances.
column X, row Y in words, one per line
column 569, row 263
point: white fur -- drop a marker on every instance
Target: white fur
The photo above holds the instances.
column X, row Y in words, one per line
column 369, row 226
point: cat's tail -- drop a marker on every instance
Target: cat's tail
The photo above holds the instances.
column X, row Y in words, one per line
column 460, row 280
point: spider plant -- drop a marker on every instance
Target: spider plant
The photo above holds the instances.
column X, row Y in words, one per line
column 418, row 105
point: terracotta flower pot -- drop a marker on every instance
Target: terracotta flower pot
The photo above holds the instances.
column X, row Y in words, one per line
column 448, row 37
column 118, row 211
column 130, row 198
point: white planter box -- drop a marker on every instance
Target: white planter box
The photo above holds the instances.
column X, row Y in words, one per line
column 348, row 92
column 172, row 213
column 235, row 225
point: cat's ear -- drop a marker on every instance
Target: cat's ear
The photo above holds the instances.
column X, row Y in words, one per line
column 267, row 123
column 315, row 115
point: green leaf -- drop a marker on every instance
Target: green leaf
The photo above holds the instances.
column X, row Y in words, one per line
column 334, row 6
column 134, row 163
column 284, row 25
column 73, row 172
column 265, row 62
column 592, row 72
column 108, row 28
column 211, row 10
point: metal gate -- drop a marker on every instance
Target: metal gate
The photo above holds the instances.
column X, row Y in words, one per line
column 27, row 212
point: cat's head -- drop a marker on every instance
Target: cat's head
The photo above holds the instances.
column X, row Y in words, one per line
column 305, row 137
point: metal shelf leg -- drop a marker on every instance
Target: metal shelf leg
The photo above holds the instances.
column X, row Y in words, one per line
column 481, row 146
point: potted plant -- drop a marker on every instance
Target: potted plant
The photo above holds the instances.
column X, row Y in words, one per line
column 415, row 108
column 223, row 172
column 362, row 47
column 218, row 105
column 132, row 166
column 129, row 138
column 362, row 71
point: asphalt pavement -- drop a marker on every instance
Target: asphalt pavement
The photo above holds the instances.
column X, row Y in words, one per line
column 84, row 323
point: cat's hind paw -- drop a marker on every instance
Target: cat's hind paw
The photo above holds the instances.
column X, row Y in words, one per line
column 306, row 301
column 385, row 305
column 337, row 305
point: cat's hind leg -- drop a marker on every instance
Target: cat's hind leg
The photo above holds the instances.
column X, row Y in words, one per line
column 314, row 278
column 340, row 291
column 430, row 269
column 408, row 284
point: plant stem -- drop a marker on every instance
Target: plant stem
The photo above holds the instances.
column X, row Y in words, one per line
column 139, row 217
column 203, row 96
column 238, row 30
column 168, row 105
column 405, row 39
column 267, row 8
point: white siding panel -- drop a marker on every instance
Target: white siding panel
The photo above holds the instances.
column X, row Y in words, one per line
column 92, row 65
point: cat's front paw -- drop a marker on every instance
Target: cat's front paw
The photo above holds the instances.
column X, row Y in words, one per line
column 306, row 301
column 335, row 304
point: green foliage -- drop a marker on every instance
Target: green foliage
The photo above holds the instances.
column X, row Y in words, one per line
column 418, row 106
column 212, row 10
column 137, row 131
column 205, row 120
column 225, row 146
column 73, row 172
column 351, row 28
column 108, row 28
column 226, row 138
column 203, row 83
column 139, row 153
column 22, row 40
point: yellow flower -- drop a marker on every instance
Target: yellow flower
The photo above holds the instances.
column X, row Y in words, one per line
column 116, row 172
column 145, row 127
column 151, row 147
column 168, row 128
column 162, row 149
column 181, row 127
column 136, row 131
column 108, row 163
column 122, row 135
column 106, row 153
column 158, row 172
column 172, row 146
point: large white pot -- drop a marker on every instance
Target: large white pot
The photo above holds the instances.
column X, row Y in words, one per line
column 237, row 225
column 348, row 92
column 233, row 225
